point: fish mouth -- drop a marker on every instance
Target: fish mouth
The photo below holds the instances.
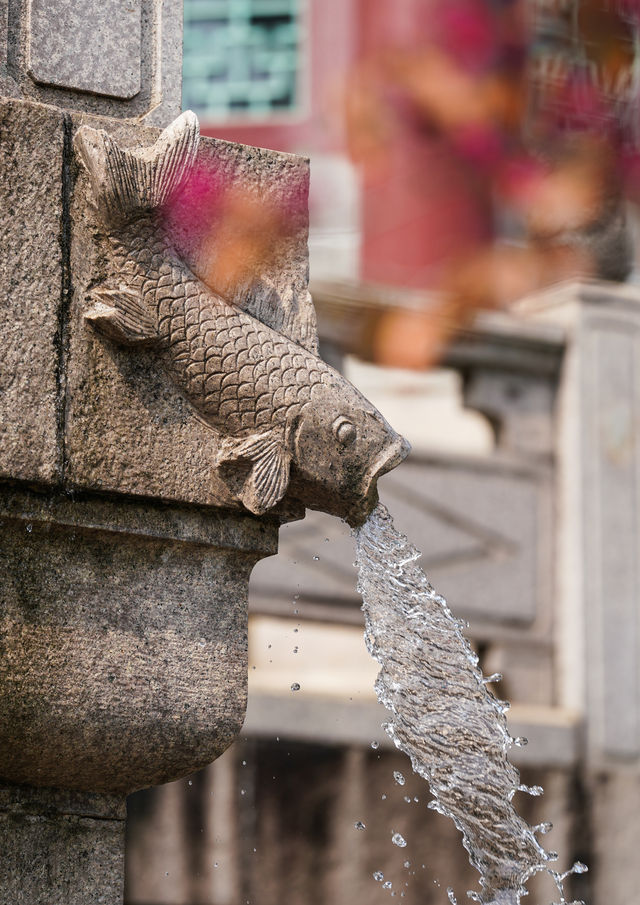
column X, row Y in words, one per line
column 391, row 456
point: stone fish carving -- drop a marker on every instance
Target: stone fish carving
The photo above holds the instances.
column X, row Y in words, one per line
column 287, row 421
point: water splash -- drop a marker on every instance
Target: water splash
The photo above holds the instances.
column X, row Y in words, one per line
column 444, row 716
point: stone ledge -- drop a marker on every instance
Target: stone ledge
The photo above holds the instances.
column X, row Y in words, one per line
column 29, row 800
column 147, row 518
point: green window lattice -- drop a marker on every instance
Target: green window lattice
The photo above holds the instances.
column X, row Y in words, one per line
column 241, row 57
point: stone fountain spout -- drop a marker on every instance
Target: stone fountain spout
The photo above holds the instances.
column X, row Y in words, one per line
column 286, row 422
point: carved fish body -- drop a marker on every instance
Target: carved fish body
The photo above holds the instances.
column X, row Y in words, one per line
column 285, row 417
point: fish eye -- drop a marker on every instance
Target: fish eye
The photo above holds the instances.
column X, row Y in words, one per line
column 344, row 430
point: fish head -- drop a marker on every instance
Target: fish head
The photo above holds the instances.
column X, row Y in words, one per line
column 342, row 445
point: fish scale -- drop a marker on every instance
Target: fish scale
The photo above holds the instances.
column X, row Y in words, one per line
column 214, row 351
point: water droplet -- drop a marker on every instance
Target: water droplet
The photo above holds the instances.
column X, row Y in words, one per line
column 190, row 782
column 579, row 868
column 29, row 530
column 316, row 558
column 494, row 677
column 399, row 778
column 383, row 797
column 520, row 741
column 295, row 650
column 399, row 840
column 407, row 799
column 244, row 763
column 295, row 631
column 295, row 686
column 243, row 791
column 379, row 876
column 359, row 825
column 375, row 745
column 387, row 884
column 451, row 896
column 534, row 791
column 407, row 863
column 215, row 864
column 543, row 828
column 416, row 799
column 295, row 612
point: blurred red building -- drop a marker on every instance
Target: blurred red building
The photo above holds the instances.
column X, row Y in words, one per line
column 412, row 203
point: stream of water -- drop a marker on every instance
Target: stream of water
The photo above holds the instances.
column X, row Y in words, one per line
column 444, row 717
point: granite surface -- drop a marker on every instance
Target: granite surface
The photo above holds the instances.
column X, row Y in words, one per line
column 125, row 659
column 32, row 275
column 55, row 854
column 86, row 45
column 115, row 58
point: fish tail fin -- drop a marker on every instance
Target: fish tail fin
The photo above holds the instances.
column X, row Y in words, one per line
column 126, row 182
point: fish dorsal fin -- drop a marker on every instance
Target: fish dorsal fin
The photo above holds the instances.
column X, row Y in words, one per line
column 122, row 316
column 126, row 181
column 268, row 478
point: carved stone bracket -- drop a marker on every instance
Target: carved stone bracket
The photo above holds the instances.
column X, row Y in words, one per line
column 284, row 420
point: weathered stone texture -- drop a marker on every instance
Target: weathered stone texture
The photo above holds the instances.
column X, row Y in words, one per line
column 86, row 45
column 57, row 856
column 31, row 233
column 125, row 659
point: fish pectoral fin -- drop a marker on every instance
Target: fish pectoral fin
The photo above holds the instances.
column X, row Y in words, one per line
column 123, row 317
column 268, row 477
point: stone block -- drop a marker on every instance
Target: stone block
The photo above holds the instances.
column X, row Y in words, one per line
column 57, row 852
column 127, row 428
column 32, row 289
column 86, row 45
column 125, row 659
column 114, row 58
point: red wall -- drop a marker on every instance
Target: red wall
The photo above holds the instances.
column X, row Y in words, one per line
column 420, row 205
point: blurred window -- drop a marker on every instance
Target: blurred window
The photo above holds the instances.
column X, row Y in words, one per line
column 242, row 58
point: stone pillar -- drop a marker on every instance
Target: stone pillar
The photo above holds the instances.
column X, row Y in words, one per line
column 162, row 411
column 598, row 491
column 123, row 585
column 597, row 577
